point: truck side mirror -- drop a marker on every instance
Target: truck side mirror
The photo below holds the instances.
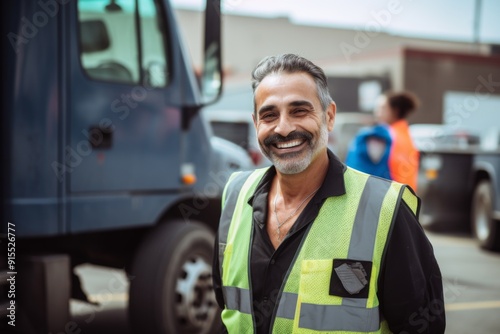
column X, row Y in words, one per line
column 211, row 80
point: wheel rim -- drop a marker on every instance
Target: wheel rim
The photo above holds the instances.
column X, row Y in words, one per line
column 482, row 219
column 196, row 305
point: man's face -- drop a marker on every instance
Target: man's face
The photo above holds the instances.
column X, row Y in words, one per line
column 292, row 128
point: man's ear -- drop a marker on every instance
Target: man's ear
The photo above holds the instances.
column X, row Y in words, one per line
column 254, row 120
column 331, row 111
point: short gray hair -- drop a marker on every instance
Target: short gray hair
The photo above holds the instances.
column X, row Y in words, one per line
column 291, row 63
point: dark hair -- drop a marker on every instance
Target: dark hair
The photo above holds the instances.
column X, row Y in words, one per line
column 291, row 63
column 403, row 103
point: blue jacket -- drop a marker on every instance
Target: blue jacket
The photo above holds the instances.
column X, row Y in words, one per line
column 359, row 157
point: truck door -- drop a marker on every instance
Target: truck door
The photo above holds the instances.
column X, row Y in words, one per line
column 127, row 82
column 124, row 128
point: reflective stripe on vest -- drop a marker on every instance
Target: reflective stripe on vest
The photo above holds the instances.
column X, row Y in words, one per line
column 238, row 299
column 375, row 201
column 237, row 216
column 229, row 197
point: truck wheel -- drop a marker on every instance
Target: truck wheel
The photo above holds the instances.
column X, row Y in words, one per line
column 171, row 281
column 484, row 227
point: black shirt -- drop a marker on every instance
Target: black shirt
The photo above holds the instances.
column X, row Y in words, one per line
column 410, row 288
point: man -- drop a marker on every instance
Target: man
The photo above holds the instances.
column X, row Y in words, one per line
column 309, row 244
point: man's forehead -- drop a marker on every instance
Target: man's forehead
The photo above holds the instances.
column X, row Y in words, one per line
column 285, row 83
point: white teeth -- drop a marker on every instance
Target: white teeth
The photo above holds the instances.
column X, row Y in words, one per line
column 289, row 144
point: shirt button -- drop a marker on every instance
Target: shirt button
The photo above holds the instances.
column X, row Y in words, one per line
column 273, row 261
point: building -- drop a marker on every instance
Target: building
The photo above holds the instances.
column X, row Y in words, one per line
column 350, row 58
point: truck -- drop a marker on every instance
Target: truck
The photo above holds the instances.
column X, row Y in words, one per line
column 106, row 160
column 459, row 177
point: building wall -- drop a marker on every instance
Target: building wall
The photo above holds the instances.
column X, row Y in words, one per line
column 246, row 40
column 432, row 74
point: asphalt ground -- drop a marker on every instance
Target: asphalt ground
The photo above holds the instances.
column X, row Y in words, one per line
column 471, row 280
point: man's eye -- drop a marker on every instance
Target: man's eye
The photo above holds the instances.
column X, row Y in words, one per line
column 268, row 116
column 299, row 111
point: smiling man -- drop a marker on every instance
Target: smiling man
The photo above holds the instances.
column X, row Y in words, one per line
column 310, row 245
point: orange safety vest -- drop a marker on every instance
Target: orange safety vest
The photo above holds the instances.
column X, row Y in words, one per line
column 404, row 157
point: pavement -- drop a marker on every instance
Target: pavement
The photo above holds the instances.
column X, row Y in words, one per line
column 471, row 284
column 470, row 279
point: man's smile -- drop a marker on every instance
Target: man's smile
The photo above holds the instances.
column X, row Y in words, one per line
column 290, row 144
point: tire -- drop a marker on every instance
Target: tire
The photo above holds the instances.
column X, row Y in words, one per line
column 485, row 229
column 171, row 281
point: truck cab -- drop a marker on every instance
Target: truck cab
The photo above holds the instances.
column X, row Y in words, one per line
column 106, row 157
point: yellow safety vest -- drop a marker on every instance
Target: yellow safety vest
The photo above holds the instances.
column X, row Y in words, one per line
column 352, row 226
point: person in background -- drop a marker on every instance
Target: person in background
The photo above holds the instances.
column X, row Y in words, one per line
column 386, row 149
column 369, row 151
column 393, row 109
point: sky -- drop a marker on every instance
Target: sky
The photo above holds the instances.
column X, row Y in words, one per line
column 436, row 19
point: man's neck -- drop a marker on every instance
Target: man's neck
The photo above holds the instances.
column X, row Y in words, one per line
column 297, row 186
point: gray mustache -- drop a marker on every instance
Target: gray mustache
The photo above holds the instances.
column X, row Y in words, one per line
column 277, row 138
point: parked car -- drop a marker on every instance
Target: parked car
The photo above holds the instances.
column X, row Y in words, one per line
column 229, row 157
column 237, row 127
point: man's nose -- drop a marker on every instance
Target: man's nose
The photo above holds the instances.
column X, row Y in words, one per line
column 285, row 126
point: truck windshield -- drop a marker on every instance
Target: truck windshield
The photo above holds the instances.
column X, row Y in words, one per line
column 122, row 43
